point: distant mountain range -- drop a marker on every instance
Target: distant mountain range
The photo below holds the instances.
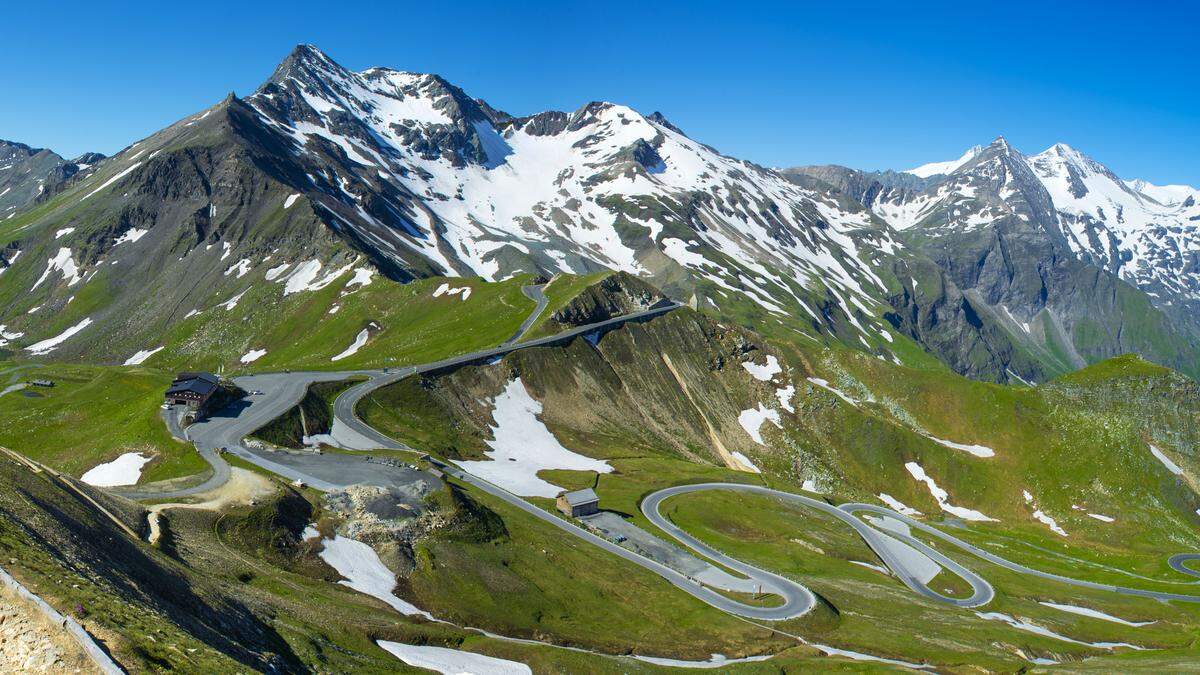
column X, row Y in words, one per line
column 1001, row 265
column 28, row 173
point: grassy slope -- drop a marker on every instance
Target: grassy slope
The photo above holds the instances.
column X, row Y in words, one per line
column 1064, row 450
column 414, row 326
column 560, row 291
column 92, row 415
column 118, row 407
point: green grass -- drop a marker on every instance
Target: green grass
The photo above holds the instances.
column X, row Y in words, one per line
column 410, row 326
column 561, row 290
column 535, row 581
column 93, row 415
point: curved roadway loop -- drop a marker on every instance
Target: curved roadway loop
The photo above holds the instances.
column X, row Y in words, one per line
column 226, row 429
column 982, row 592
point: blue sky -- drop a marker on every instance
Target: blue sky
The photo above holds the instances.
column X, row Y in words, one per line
column 888, row 85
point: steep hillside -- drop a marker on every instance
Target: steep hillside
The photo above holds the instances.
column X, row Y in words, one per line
column 324, row 171
column 1052, row 249
column 28, row 174
column 1062, row 477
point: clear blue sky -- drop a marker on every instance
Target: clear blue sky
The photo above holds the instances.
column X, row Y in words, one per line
column 874, row 86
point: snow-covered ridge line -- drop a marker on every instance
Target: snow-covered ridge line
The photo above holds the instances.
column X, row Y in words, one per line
column 554, row 188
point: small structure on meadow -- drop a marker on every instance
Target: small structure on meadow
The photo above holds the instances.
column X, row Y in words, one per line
column 193, row 390
column 579, row 503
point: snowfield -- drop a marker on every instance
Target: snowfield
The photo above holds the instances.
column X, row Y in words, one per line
column 124, row 470
column 140, row 357
column 824, row 384
column 897, row 506
column 752, row 421
column 1029, row 627
column 1166, row 461
column 359, row 341
column 558, row 194
column 1095, row 614
column 445, row 289
column 522, row 446
column 453, row 661
column 253, row 355
column 62, row 262
column 977, row 450
column 941, row 496
column 365, row 572
column 46, row 346
column 763, row 373
column 745, row 461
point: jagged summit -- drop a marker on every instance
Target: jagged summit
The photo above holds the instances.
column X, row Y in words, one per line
column 937, row 168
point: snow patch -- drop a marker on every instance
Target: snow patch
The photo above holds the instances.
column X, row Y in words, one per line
column 365, row 572
column 362, row 277
column 824, row 384
column 785, row 397
column 47, row 346
column 359, row 341
column 745, row 461
column 522, row 446
column 242, row 267
column 276, row 272
column 112, row 180
column 752, row 420
column 453, row 661
column 763, row 373
column 61, row 262
column 130, row 236
column 445, row 289
column 233, row 302
column 140, row 357
column 1166, row 461
column 896, row 505
column 941, row 496
column 977, row 450
column 124, row 470
column 291, row 199
column 253, row 355
column 1095, row 614
column 1029, row 627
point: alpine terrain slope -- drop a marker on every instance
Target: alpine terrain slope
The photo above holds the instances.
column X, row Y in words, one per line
column 358, row 373
column 1074, row 263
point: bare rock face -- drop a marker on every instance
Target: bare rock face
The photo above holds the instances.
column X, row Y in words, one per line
column 30, row 644
column 614, row 296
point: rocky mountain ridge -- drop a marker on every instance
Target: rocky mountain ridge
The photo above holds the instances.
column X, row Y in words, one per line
column 323, row 171
column 1075, row 262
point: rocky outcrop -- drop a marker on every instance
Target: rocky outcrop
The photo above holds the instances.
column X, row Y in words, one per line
column 613, row 296
column 31, row 644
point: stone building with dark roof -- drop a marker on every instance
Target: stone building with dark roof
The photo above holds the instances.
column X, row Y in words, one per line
column 579, row 503
column 193, row 390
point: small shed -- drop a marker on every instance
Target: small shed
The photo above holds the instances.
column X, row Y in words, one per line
column 579, row 503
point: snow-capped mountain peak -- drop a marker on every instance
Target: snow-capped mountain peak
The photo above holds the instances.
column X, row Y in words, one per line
column 1147, row 235
column 936, row 168
column 1167, row 195
column 480, row 192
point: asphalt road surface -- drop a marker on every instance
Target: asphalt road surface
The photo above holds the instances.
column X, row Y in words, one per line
column 982, row 592
column 281, row 391
column 536, row 294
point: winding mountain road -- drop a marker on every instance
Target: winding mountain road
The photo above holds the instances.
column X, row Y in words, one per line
column 895, row 547
column 982, row 592
column 281, row 391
